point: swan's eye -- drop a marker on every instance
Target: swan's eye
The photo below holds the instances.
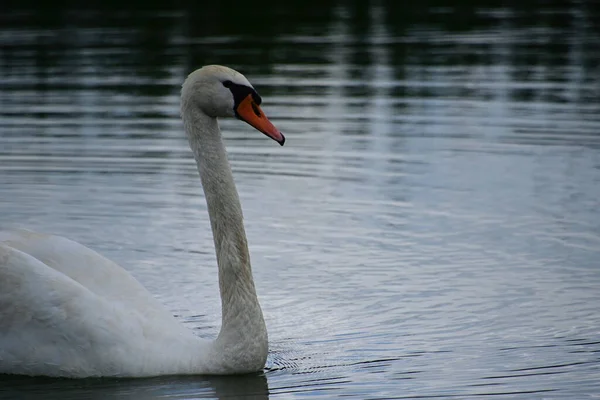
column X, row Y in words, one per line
column 228, row 84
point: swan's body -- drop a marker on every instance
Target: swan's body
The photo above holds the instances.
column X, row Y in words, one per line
column 67, row 311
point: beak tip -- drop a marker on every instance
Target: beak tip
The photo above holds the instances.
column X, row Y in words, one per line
column 282, row 141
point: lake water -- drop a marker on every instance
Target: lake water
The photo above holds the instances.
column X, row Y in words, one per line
column 430, row 230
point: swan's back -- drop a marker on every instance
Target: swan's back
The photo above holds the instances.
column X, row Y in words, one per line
column 71, row 312
column 41, row 311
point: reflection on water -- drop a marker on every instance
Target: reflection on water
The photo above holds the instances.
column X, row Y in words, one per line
column 222, row 387
column 430, row 229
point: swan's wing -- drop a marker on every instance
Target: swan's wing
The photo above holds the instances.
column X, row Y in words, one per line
column 85, row 266
column 52, row 325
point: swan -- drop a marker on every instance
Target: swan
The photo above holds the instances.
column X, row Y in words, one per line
column 66, row 311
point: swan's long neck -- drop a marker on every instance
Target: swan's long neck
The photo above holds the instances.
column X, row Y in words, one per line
column 243, row 335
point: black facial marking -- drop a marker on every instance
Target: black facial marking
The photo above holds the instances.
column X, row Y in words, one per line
column 240, row 92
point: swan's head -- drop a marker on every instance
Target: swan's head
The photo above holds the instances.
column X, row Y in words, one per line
column 223, row 92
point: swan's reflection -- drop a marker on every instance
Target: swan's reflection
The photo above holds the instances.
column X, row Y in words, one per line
column 252, row 386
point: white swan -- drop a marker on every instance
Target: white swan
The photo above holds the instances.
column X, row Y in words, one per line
column 67, row 311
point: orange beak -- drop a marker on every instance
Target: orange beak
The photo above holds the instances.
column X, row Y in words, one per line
column 249, row 112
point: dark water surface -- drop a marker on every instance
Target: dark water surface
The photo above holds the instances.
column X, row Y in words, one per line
column 430, row 230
